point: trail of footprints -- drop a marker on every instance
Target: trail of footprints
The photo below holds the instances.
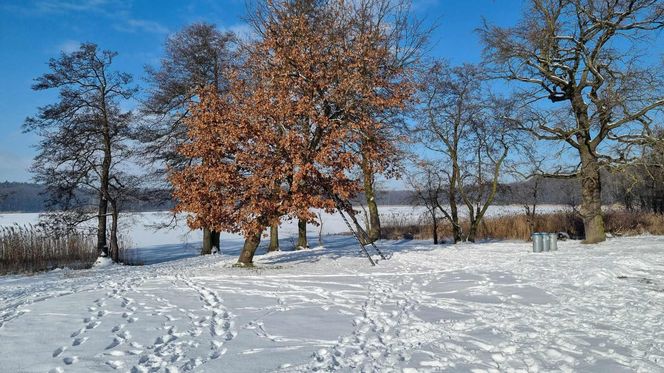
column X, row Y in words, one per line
column 376, row 342
column 97, row 311
column 220, row 322
column 170, row 348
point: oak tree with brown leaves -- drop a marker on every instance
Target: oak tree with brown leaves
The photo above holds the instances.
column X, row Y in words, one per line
column 194, row 58
column 286, row 136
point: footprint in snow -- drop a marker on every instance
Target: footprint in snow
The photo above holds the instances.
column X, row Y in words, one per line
column 117, row 328
column 58, row 351
column 116, row 342
column 79, row 341
column 69, row 360
column 77, row 333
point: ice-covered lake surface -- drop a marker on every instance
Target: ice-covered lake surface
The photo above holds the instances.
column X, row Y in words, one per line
column 149, row 245
column 492, row 306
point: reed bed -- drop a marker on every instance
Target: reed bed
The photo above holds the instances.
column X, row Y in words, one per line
column 28, row 249
column 518, row 226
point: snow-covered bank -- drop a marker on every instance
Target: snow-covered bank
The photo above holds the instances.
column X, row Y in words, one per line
column 492, row 306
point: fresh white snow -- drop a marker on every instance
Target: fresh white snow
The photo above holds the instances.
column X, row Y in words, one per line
column 492, row 306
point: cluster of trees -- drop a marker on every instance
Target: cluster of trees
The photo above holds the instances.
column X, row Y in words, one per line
column 640, row 185
column 578, row 78
column 307, row 114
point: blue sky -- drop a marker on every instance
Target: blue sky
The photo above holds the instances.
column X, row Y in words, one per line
column 32, row 31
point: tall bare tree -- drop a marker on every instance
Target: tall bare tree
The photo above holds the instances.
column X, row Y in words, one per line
column 429, row 189
column 406, row 38
column 195, row 57
column 84, row 135
column 463, row 123
column 585, row 58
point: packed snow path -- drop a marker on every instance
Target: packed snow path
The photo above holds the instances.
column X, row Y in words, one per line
column 484, row 307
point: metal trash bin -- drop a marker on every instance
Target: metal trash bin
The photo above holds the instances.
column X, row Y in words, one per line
column 538, row 243
column 553, row 241
column 546, row 242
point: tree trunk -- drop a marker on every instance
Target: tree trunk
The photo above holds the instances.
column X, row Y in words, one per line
column 370, row 195
column 101, row 225
column 472, row 231
column 104, row 181
column 210, row 240
column 274, row 238
column 102, row 244
column 302, row 235
column 251, row 242
column 207, row 242
column 115, row 250
column 216, row 241
column 591, row 193
column 452, row 200
column 435, row 228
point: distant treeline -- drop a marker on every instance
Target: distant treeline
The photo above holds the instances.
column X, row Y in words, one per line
column 29, row 197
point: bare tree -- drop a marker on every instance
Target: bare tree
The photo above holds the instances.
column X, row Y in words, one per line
column 527, row 171
column 490, row 142
column 640, row 185
column 84, row 135
column 584, row 55
column 406, row 38
column 429, row 190
column 462, row 122
column 195, row 57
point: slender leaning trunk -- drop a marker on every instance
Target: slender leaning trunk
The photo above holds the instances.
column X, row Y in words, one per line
column 591, row 197
column 102, row 245
column 104, row 180
column 301, row 235
column 115, row 249
column 435, row 228
column 101, row 224
column 274, row 238
column 251, row 242
column 370, row 194
column 452, row 200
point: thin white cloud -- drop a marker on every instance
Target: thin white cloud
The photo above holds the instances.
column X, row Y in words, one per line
column 243, row 30
column 118, row 12
column 68, row 46
column 138, row 25
column 70, row 5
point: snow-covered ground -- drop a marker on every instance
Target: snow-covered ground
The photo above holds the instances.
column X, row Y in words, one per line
column 472, row 307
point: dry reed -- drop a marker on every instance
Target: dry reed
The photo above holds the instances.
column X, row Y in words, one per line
column 517, row 227
column 27, row 249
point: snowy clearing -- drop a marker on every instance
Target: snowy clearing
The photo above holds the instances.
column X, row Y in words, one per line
column 475, row 307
